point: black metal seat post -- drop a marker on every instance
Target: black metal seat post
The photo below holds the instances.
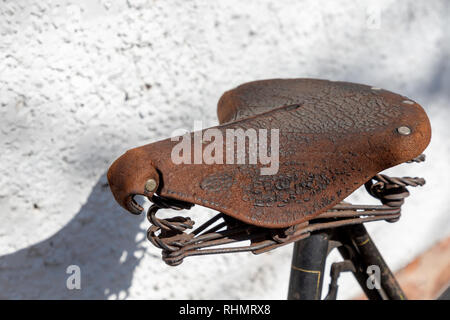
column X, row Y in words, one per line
column 308, row 265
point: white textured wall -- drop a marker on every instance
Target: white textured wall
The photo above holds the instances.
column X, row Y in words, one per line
column 83, row 81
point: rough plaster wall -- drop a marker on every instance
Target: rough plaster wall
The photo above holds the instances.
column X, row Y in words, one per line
column 83, row 81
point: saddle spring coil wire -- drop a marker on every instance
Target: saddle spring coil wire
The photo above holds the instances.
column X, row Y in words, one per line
column 170, row 234
column 169, row 226
column 391, row 191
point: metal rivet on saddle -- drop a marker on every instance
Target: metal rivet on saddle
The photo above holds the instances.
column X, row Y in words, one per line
column 404, row 130
column 150, row 185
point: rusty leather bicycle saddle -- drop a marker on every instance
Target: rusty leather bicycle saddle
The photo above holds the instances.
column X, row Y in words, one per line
column 333, row 137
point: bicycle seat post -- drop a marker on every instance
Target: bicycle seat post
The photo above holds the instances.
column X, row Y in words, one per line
column 308, row 265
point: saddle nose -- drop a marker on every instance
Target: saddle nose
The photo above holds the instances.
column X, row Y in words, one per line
column 130, row 175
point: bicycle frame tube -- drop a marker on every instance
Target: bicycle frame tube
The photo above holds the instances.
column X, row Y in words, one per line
column 370, row 256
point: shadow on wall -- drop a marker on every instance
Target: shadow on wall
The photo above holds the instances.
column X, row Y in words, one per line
column 106, row 247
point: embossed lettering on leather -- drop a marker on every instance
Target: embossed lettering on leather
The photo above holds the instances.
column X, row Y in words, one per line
column 334, row 136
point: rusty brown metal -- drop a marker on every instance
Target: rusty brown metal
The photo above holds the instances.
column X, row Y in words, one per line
column 173, row 237
column 334, row 136
column 170, row 234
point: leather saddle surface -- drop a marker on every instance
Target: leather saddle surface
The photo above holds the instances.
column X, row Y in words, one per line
column 333, row 137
